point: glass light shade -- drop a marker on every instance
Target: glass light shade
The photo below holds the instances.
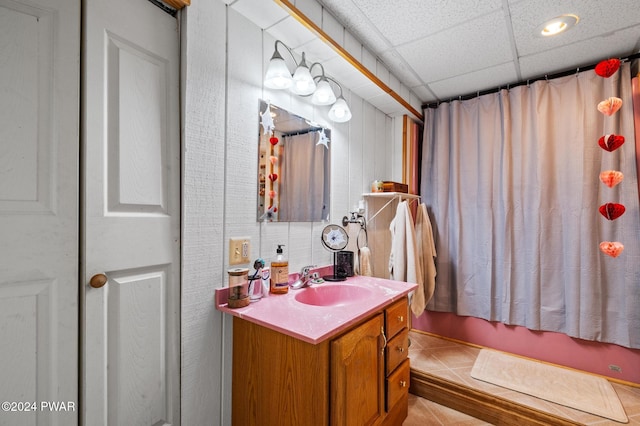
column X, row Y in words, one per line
column 340, row 111
column 324, row 94
column 278, row 75
column 303, row 83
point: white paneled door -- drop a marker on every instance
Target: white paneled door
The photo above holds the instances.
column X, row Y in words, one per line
column 39, row 144
column 131, row 227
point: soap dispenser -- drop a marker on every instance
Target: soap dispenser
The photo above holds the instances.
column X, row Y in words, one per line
column 279, row 273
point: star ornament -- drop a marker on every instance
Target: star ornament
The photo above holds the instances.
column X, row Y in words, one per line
column 267, row 120
column 324, row 140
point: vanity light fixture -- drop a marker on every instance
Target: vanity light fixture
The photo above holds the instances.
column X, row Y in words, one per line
column 324, row 93
column 302, row 83
column 339, row 111
column 558, row 24
column 278, row 75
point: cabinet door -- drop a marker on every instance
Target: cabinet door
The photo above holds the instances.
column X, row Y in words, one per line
column 357, row 375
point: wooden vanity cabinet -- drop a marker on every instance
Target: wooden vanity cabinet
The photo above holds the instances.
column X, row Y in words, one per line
column 357, row 375
column 360, row 377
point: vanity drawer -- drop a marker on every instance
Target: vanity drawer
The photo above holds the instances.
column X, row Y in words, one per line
column 398, row 384
column 396, row 317
column 397, row 350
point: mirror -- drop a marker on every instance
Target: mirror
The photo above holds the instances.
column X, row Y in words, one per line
column 294, row 162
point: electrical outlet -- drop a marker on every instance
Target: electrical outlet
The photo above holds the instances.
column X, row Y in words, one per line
column 239, row 250
column 614, row 367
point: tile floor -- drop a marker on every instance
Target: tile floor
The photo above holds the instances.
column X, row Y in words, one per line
column 454, row 361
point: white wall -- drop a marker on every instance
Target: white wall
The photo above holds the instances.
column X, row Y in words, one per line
column 224, row 58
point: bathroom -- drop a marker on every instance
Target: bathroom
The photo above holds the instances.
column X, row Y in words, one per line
column 365, row 134
column 227, row 53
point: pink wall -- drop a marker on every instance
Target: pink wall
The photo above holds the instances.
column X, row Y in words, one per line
column 546, row 346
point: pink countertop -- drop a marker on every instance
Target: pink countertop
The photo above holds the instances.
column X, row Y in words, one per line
column 314, row 324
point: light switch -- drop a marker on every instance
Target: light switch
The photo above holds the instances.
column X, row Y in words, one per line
column 239, row 250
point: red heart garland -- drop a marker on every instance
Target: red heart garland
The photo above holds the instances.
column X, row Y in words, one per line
column 612, row 211
column 611, row 177
column 273, row 140
column 611, row 248
column 273, row 177
column 607, row 68
column 610, row 142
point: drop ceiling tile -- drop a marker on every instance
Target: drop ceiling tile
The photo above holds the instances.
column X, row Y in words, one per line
column 291, row 32
column 583, row 53
column 455, row 51
column 405, row 21
column 345, row 73
column 597, row 18
column 317, row 51
column 469, row 83
column 356, row 23
column 263, row 13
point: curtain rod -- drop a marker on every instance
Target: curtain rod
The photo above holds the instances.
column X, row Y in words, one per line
column 527, row 82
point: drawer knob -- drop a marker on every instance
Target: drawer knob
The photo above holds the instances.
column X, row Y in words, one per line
column 400, row 349
column 400, row 318
column 403, row 384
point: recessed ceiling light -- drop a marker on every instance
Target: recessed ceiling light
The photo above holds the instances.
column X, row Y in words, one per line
column 558, row 24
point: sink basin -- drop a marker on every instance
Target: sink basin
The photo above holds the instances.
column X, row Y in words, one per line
column 332, row 295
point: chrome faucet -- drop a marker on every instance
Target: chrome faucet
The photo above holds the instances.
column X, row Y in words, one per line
column 305, row 278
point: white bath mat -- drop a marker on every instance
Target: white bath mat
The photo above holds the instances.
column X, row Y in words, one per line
column 582, row 391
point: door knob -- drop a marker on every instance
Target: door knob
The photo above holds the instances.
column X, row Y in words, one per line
column 98, row 280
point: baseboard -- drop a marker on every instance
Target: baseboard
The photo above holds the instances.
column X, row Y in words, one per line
column 484, row 406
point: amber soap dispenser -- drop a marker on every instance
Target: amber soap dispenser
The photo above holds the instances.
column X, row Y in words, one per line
column 279, row 273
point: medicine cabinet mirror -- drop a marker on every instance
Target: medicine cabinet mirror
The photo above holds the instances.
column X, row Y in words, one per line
column 294, row 167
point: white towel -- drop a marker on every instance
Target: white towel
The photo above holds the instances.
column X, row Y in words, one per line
column 403, row 260
column 426, row 255
column 365, row 262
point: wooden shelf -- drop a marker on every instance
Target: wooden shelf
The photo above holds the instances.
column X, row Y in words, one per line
column 402, row 195
column 391, row 196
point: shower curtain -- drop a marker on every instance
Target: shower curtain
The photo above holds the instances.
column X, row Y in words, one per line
column 304, row 196
column 511, row 180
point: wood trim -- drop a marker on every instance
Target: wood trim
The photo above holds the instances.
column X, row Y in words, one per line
column 484, row 406
column 178, row 4
column 405, row 147
column 307, row 22
column 450, row 339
